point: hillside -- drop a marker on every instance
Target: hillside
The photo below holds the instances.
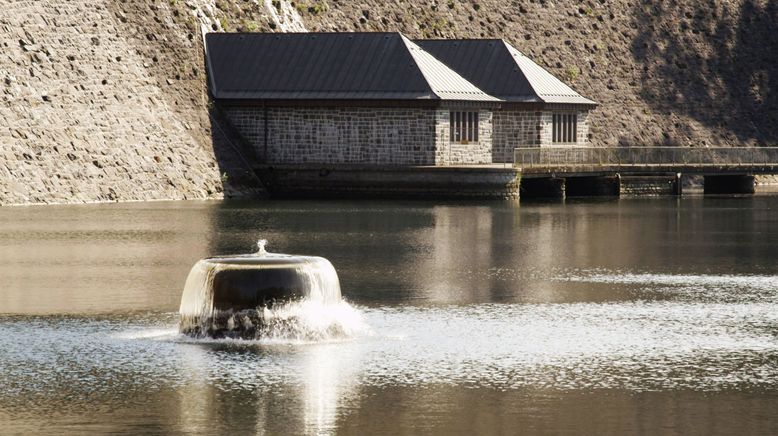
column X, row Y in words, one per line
column 106, row 100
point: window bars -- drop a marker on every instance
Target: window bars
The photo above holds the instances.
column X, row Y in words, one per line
column 464, row 127
column 565, row 128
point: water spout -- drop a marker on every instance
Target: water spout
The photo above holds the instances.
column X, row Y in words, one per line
column 261, row 245
column 235, row 296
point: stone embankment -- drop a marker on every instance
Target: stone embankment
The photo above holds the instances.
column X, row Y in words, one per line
column 104, row 100
column 82, row 118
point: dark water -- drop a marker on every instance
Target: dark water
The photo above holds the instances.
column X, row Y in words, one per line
column 626, row 316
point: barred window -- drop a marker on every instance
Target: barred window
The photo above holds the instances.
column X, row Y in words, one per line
column 565, row 127
column 464, row 127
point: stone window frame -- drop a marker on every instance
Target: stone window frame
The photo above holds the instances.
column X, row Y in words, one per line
column 564, row 128
column 463, row 127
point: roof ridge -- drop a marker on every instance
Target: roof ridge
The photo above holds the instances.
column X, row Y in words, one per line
column 564, row 90
column 458, row 39
column 510, row 49
column 434, row 63
column 303, row 33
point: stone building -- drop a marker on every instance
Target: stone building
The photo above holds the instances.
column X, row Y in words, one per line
column 381, row 99
column 348, row 98
column 536, row 109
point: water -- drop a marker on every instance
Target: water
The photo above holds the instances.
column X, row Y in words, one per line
column 624, row 316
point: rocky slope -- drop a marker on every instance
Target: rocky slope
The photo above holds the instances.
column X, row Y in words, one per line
column 105, row 100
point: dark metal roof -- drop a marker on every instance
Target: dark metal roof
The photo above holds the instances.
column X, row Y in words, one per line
column 329, row 66
column 502, row 71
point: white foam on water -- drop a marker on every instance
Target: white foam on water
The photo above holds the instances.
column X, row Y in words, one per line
column 313, row 321
column 152, row 333
column 717, row 287
column 633, row 345
column 302, row 322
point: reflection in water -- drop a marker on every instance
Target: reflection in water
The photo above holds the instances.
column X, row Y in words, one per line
column 102, row 258
column 330, row 380
column 579, row 317
column 319, row 382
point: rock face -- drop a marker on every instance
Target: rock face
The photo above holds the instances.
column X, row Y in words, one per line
column 82, row 118
column 99, row 104
column 105, row 100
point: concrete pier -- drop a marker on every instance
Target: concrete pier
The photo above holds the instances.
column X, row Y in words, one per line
column 729, row 184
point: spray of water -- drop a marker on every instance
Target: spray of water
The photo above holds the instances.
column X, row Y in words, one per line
column 313, row 312
column 312, row 321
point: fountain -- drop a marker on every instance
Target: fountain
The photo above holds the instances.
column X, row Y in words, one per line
column 234, row 296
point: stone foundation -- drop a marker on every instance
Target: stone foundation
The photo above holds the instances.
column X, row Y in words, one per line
column 310, row 181
column 650, row 186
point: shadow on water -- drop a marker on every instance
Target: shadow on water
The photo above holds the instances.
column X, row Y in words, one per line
column 717, row 64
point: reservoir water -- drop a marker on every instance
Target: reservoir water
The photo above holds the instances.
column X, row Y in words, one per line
column 652, row 316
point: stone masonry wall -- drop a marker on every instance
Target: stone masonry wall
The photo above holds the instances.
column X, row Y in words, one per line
column 474, row 152
column 388, row 136
column 546, row 137
column 385, row 136
column 513, row 129
column 105, row 100
column 516, row 128
column 442, row 136
column 583, row 128
column 546, row 130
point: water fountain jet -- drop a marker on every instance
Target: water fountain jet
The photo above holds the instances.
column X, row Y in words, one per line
column 233, row 296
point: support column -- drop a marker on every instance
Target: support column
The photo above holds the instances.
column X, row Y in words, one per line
column 678, row 184
column 543, row 187
column 730, row 184
column 600, row 186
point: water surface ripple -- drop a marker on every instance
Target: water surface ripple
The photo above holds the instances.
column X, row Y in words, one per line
column 484, row 318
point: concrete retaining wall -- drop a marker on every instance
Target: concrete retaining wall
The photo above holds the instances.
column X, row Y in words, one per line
column 293, row 181
column 648, row 186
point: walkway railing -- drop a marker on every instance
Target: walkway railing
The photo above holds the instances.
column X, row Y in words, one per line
column 631, row 157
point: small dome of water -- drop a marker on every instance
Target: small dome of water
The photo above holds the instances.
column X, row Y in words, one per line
column 232, row 296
